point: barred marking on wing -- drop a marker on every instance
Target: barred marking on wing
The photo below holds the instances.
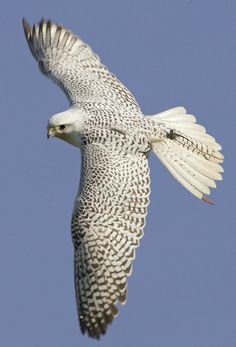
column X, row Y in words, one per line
column 69, row 62
column 107, row 223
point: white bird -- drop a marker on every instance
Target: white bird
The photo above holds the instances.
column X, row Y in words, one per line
column 115, row 138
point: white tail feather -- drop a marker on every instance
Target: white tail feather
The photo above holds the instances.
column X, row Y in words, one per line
column 188, row 152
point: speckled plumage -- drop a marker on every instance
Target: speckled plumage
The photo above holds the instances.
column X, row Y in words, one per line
column 115, row 138
column 107, row 224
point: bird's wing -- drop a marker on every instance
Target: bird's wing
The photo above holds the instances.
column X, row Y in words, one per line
column 107, row 223
column 68, row 61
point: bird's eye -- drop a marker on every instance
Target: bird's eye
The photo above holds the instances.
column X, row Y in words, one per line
column 62, row 127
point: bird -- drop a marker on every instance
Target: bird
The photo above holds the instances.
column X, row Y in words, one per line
column 115, row 139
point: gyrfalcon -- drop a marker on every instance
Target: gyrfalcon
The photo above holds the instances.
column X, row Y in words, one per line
column 115, row 138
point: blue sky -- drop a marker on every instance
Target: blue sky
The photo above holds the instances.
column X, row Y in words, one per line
column 182, row 290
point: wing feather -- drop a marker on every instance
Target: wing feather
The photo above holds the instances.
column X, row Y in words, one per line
column 69, row 62
column 107, row 223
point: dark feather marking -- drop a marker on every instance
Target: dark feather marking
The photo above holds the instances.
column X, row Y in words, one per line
column 56, row 39
column 64, row 39
column 40, row 37
column 48, row 39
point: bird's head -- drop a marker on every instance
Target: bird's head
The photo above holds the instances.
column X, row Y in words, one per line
column 66, row 126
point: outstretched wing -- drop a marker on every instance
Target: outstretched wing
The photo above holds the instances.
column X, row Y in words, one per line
column 107, row 223
column 67, row 60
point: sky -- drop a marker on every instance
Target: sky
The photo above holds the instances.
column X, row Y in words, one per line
column 183, row 288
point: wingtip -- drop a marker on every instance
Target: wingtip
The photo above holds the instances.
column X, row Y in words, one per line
column 26, row 26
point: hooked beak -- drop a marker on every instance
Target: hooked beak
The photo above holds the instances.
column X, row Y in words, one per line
column 50, row 132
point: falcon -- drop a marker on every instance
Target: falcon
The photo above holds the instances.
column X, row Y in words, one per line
column 115, row 138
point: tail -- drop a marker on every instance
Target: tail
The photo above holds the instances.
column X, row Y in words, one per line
column 188, row 152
